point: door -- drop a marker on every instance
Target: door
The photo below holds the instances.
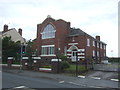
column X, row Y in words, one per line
column 74, row 56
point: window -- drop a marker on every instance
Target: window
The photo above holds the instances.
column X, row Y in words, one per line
column 44, row 50
column 101, row 45
column 97, row 44
column 104, row 46
column 88, row 42
column 93, row 43
column 65, row 50
column 104, row 54
column 93, row 53
column 48, row 32
column 48, row 50
column 98, row 53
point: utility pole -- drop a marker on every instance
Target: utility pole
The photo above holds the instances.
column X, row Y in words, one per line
column 76, row 63
column 21, row 58
column 58, row 53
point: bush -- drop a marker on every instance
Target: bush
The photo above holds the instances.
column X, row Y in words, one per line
column 65, row 65
column 46, row 66
column 64, row 58
column 16, row 62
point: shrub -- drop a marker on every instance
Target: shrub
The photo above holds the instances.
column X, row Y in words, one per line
column 64, row 58
column 46, row 66
column 65, row 65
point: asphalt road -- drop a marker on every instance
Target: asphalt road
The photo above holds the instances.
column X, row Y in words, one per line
column 10, row 80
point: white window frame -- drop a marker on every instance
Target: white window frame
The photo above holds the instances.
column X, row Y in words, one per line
column 93, row 53
column 93, row 43
column 98, row 44
column 44, row 51
column 88, row 42
column 48, row 32
column 65, row 50
column 97, row 53
column 101, row 45
column 48, row 50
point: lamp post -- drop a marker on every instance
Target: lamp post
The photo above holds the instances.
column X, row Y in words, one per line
column 93, row 58
column 57, row 55
column 76, row 63
column 21, row 58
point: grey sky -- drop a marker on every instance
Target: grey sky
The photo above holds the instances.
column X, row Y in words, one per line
column 96, row 17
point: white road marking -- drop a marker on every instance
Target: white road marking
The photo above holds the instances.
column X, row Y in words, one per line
column 96, row 78
column 61, row 81
column 114, row 80
column 81, row 76
column 75, row 83
column 95, row 87
column 84, row 85
column 21, row 87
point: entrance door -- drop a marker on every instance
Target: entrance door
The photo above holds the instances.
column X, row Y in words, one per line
column 74, row 56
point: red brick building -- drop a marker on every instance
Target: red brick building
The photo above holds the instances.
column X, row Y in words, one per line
column 57, row 36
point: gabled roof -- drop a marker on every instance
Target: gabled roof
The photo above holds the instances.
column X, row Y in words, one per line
column 79, row 32
column 15, row 36
column 76, row 32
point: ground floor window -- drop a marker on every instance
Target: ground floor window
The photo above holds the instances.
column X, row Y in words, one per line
column 48, row 50
column 65, row 51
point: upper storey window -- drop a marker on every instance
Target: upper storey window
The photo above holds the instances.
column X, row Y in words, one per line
column 88, row 42
column 48, row 32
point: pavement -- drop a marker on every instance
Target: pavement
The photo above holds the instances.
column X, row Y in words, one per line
column 89, row 80
column 107, row 67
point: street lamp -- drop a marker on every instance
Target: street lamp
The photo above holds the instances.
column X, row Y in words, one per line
column 76, row 63
column 57, row 55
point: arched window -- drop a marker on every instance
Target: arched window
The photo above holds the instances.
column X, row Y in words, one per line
column 48, row 32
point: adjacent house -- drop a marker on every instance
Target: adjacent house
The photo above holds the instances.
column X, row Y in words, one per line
column 15, row 36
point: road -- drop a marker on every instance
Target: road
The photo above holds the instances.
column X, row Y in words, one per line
column 11, row 80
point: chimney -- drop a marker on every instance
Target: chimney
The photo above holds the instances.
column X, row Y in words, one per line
column 98, row 38
column 20, row 31
column 68, row 27
column 5, row 28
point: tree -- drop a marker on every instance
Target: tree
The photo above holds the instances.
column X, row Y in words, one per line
column 10, row 48
column 29, row 52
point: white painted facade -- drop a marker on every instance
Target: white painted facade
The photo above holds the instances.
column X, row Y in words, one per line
column 15, row 36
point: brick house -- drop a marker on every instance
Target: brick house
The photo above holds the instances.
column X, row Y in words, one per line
column 56, row 36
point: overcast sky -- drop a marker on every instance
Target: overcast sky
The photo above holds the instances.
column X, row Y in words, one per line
column 95, row 17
